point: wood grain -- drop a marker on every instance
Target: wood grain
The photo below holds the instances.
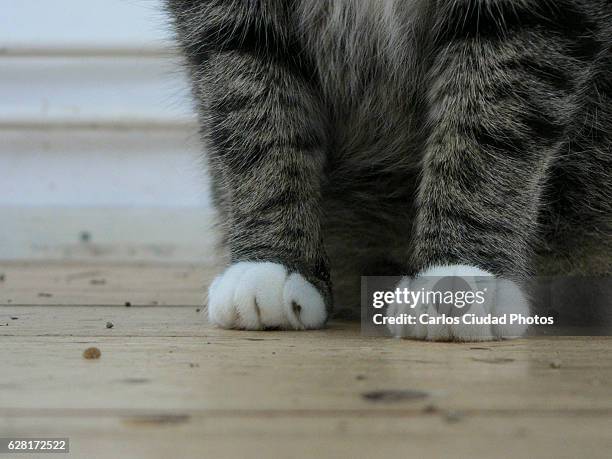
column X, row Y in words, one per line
column 103, row 283
column 168, row 384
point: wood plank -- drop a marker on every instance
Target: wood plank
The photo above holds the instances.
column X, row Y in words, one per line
column 321, row 370
column 430, row 435
column 83, row 283
column 302, row 394
column 170, row 385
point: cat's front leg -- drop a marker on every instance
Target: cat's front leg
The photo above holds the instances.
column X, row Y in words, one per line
column 271, row 155
column 279, row 273
column 497, row 114
column 266, row 137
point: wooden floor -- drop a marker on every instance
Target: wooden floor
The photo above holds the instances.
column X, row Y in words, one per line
column 168, row 385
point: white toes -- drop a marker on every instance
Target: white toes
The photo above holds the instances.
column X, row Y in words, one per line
column 436, row 331
column 248, row 295
column 221, row 296
column 502, row 298
column 258, row 300
column 304, row 305
column 258, row 295
column 510, row 299
column 470, row 331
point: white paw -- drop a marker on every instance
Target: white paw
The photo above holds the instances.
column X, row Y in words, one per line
column 500, row 298
column 259, row 295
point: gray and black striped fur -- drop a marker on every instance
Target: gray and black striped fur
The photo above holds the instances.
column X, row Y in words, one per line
column 352, row 137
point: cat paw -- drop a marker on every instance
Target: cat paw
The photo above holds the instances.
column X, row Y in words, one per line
column 260, row 295
column 501, row 297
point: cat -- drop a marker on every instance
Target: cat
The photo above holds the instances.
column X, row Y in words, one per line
column 384, row 137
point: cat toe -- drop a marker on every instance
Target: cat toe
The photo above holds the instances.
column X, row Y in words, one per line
column 221, row 310
column 304, row 305
column 258, row 297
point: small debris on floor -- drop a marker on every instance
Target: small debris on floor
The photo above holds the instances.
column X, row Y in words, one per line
column 44, row 295
column 430, row 408
column 453, row 416
column 14, row 318
column 127, row 304
column 158, row 419
column 198, row 310
column 109, row 325
column 97, row 281
column 2, row 277
column 85, row 236
column 360, row 377
column 194, row 365
column 555, row 364
column 91, row 353
column 386, row 396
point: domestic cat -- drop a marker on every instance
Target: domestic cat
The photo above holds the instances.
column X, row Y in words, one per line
column 356, row 137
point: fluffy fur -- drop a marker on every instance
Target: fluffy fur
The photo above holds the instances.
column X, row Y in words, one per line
column 355, row 137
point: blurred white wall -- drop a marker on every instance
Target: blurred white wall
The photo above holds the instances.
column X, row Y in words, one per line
column 97, row 136
column 74, row 23
column 94, row 109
